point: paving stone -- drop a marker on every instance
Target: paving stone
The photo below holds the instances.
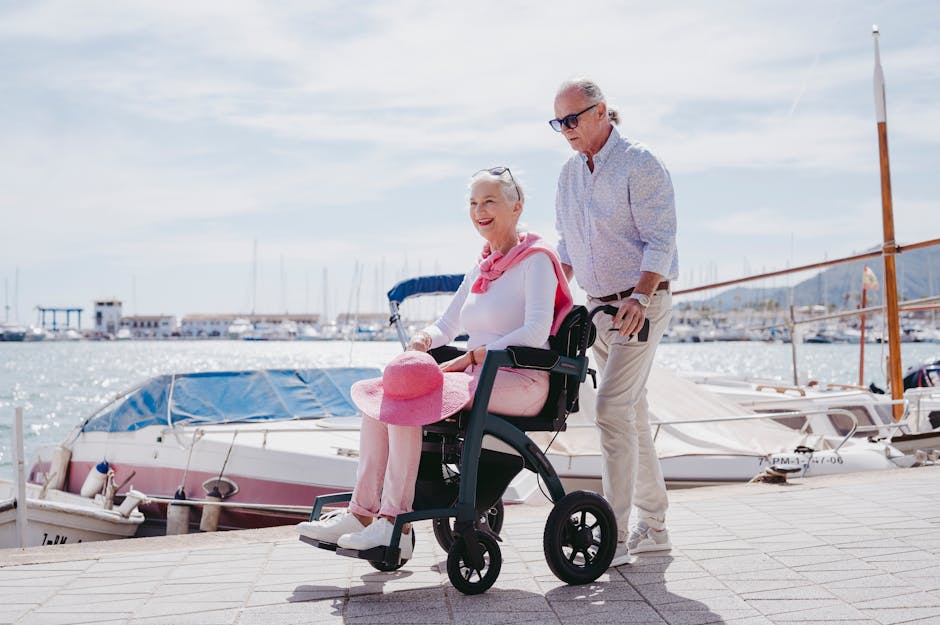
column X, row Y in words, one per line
column 308, row 613
column 209, row 617
column 504, row 618
column 38, row 617
column 10, row 612
column 891, row 616
column 777, row 607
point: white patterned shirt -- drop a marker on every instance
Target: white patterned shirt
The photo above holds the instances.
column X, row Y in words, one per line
column 617, row 221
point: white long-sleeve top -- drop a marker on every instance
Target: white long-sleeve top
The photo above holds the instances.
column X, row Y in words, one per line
column 516, row 309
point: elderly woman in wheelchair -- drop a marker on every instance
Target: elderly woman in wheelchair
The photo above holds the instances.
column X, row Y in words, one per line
column 511, row 302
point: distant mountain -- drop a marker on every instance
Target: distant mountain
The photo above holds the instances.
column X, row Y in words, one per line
column 840, row 287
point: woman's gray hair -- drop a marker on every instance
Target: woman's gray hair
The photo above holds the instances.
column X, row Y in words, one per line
column 508, row 184
column 592, row 91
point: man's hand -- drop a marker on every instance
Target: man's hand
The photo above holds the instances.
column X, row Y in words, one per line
column 629, row 317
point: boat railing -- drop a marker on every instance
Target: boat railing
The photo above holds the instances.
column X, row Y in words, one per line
column 806, row 414
column 823, row 396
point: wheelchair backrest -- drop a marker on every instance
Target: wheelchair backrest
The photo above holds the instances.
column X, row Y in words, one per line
column 573, row 338
column 574, row 330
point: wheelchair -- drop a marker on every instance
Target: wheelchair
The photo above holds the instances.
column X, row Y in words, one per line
column 460, row 480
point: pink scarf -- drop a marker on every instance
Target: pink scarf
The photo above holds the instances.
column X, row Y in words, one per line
column 494, row 264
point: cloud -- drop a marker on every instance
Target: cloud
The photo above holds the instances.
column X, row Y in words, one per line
column 178, row 133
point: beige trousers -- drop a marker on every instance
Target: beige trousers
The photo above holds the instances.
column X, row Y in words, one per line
column 631, row 472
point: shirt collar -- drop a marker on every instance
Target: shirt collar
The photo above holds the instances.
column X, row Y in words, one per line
column 605, row 151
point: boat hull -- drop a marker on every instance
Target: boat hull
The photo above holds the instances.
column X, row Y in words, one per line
column 62, row 518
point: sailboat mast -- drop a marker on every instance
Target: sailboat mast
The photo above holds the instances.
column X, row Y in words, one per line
column 889, row 246
column 254, row 276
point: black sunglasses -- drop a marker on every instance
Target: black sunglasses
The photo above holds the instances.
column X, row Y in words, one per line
column 570, row 121
column 498, row 172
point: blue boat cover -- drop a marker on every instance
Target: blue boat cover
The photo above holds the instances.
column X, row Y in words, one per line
column 425, row 285
column 233, row 397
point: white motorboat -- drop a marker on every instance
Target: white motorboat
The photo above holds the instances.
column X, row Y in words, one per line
column 271, row 439
column 917, row 430
column 55, row 517
column 702, row 438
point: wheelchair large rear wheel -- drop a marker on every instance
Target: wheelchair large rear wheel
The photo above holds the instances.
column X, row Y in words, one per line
column 580, row 537
column 492, row 519
column 468, row 579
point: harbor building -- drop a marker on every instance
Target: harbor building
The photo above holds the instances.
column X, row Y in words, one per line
column 258, row 326
column 107, row 317
column 150, row 326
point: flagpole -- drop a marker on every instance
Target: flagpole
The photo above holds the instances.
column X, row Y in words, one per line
column 889, row 247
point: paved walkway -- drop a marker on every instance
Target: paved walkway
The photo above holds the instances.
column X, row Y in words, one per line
column 853, row 549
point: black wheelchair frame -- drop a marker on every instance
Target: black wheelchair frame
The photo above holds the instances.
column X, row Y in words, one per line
column 580, row 533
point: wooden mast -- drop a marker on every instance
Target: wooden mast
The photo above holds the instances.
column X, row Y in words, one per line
column 889, row 246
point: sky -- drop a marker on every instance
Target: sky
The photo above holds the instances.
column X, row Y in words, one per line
column 164, row 153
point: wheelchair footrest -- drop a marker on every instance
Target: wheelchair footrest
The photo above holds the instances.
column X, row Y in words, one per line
column 382, row 553
column 318, row 543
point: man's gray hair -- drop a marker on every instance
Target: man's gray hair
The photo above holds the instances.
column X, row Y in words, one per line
column 592, row 91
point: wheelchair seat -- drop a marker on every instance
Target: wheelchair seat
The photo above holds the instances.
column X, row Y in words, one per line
column 563, row 389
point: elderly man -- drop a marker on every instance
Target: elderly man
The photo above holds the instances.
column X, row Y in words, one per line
column 616, row 219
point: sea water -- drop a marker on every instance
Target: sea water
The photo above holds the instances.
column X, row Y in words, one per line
column 59, row 384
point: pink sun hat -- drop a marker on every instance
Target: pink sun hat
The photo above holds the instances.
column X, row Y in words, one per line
column 412, row 391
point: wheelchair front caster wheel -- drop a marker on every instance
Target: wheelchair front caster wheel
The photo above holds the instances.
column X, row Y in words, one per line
column 464, row 576
column 444, row 527
column 580, row 537
column 378, row 565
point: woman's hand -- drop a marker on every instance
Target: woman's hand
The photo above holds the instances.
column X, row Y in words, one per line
column 465, row 361
column 418, row 346
column 420, row 342
column 460, row 363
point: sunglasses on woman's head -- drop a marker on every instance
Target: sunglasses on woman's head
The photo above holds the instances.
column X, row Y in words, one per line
column 498, row 172
column 569, row 121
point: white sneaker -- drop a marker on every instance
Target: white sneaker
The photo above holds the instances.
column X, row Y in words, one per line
column 378, row 534
column 330, row 526
column 644, row 538
column 622, row 556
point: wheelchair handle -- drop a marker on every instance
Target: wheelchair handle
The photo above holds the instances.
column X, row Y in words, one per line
column 603, row 308
column 612, row 311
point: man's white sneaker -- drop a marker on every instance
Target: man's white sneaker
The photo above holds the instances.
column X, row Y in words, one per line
column 622, row 556
column 644, row 538
column 330, row 526
column 379, row 533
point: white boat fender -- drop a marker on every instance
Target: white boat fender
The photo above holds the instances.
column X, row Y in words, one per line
column 209, row 522
column 95, row 479
column 131, row 500
column 177, row 515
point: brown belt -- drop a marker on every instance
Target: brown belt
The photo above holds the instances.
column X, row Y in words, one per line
column 613, row 297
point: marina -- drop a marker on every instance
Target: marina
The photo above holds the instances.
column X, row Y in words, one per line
column 155, row 459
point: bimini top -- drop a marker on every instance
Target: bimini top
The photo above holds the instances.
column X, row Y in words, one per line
column 232, row 396
column 425, row 285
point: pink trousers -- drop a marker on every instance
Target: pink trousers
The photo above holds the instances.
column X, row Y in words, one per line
column 389, row 454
